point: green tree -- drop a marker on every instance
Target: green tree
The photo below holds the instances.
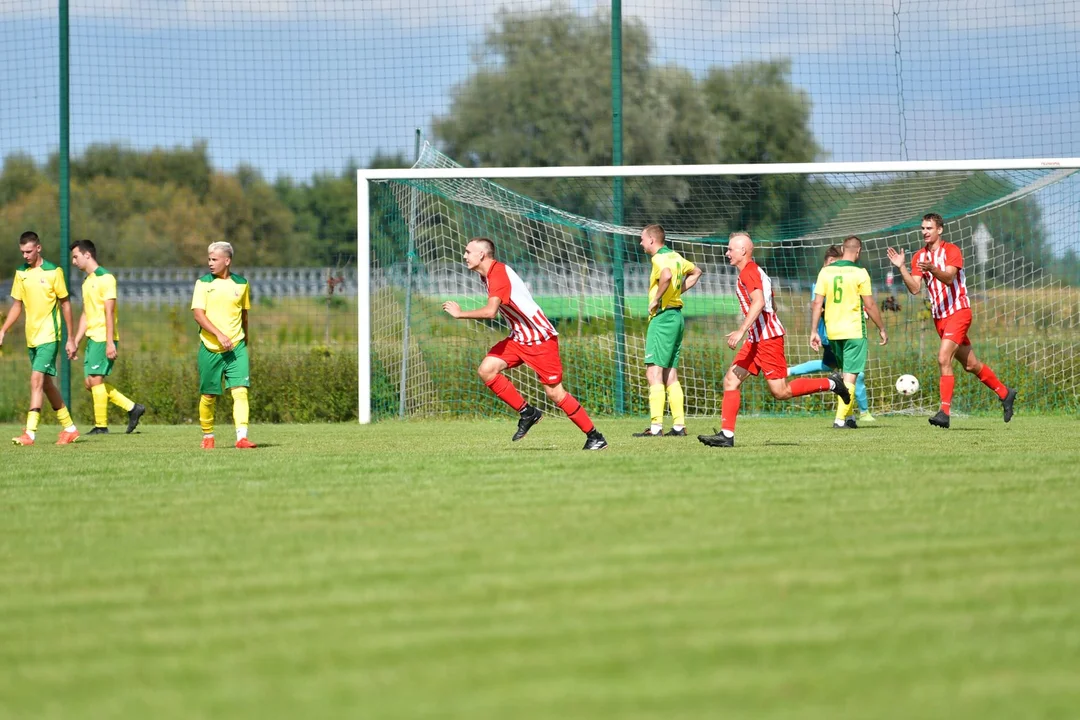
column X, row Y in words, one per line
column 540, row 96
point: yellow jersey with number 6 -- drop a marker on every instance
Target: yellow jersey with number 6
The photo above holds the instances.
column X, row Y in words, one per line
column 843, row 284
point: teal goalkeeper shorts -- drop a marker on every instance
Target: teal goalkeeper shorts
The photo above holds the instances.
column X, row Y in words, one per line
column 663, row 341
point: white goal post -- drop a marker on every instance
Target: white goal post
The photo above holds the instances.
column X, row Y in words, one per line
column 483, row 188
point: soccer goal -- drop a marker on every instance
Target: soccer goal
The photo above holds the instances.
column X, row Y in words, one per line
column 1017, row 223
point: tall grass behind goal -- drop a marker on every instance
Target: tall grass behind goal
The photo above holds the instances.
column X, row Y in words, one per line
column 1016, row 222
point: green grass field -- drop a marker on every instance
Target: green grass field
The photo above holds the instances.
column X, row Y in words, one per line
column 432, row 569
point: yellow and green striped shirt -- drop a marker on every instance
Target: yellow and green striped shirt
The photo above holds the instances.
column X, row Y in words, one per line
column 223, row 300
column 680, row 267
column 843, row 283
column 40, row 289
column 98, row 287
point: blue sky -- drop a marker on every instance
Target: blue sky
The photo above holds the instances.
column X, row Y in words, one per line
column 299, row 86
column 296, row 87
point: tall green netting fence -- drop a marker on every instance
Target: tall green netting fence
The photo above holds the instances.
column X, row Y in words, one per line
column 245, row 120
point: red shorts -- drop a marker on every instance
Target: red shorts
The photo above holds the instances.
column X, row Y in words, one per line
column 955, row 327
column 766, row 356
column 543, row 358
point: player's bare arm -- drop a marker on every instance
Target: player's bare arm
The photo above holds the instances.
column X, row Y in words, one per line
column 65, row 310
column 757, row 305
column 662, row 285
column 815, row 321
column 872, row 310
column 16, row 311
column 945, row 276
column 691, row 279
column 110, row 329
column 80, row 333
column 485, row 313
column 244, row 326
column 205, row 324
column 912, row 283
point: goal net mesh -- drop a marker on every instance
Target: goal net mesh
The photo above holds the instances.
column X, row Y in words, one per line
column 1017, row 230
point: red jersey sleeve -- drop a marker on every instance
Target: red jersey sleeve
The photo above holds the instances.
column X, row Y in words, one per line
column 915, row 259
column 953, row 256
column 751, row 278
column 498, row 283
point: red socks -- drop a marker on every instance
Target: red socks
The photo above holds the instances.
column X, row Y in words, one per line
column 729, row 410
column 946, row 389
column 505, row 391
column 989, row 379
column 806, row 386
column 576, row 413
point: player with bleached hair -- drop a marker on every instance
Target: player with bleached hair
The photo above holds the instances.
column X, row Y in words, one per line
column 220, row 304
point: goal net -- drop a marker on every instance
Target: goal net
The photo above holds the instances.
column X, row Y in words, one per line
column 1017, row 223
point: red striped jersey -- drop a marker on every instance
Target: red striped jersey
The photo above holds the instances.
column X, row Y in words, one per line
column 528, row 324
column 767, row 325
column 944, row 299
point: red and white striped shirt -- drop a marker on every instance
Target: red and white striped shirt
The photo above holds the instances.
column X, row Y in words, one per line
column 767, row 325
column 528, row 324
column 944, row 299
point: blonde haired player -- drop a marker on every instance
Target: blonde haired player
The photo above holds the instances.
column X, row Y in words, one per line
column 671, row 276
column 220, row 303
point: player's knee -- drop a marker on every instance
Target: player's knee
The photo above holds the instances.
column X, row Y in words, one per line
column 486, row 373
column 782, row 392
column 555, row 393
column 86, row 382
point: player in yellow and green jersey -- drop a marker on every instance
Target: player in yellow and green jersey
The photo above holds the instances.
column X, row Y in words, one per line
column 671, row 276
column 843, row 290
column 40, row 289
column 220, row 303
column 98, row 325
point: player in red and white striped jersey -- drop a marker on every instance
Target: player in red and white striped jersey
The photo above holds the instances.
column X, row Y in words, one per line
column 533, row 341
column 763, row 350
column 942, row 265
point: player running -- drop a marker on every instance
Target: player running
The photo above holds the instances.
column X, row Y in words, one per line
column 763, row 350
column 671, row 276
column 39, row 286
column 98, row 325
column 533, row 341
column 843, row 290
column 942, row 264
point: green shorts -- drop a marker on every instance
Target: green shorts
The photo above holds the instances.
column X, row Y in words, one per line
column 43, row 358
column 663, row 341
column 233, row 365
column 94, row 360
column 851, row 354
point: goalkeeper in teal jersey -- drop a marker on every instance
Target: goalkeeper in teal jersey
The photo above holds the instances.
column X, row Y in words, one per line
column 828, row 362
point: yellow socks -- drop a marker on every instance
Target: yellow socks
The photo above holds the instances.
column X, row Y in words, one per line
column 101, row 405
column 64, row 418
column 240, row 411
column 32, row 419
column 843, row 409
column 117, row 398
column 675, row 400
column 656, row 406
column 207, row 403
